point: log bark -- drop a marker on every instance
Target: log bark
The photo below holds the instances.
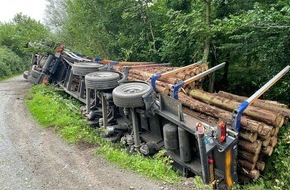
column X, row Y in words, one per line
column 254, row 147
column 264, row 104
column 253, row 112
column 276, row 131
column 246, row 164
column 267, row 150
column 253, row 174
column 286, row 120
column 260, row 165
column 266, row 142
column 248, row 156
column 191, row 103
column 248, row 135
column 266, row 131
column 273, row 141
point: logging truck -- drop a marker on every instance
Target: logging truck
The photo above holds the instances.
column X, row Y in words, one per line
column 150, row 107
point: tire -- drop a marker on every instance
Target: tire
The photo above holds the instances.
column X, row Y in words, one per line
column 102, row 80
column 25, row 74
column 35, row 73
column 129, row 95
column 85, row 68
column 32, row 80
column 42, row 61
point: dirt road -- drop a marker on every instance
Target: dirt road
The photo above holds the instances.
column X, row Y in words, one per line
column 35, row 158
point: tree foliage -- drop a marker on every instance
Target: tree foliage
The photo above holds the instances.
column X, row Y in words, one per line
column 253, row 36
column 14, row 37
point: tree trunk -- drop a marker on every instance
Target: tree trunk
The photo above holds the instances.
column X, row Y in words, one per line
column 253, row 112
column 249, row 136
column 264, row 104
column 260, row 165
column 248, row 156
column 191, row 103
column 253, row 174
column 254, row 147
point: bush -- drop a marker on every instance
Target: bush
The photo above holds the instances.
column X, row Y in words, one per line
column 10, row 63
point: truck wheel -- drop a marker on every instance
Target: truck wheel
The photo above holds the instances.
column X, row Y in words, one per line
column 25, row 74
column 32, row 79
column 35, row 73
column 42, row 61
column 129, row 95
column 102, row 80
column 82, row 69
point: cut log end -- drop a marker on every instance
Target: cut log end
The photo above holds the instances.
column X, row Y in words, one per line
column 260, row 165
column 267, row 150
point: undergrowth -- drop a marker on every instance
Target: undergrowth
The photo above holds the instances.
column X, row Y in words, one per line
column 56, row 109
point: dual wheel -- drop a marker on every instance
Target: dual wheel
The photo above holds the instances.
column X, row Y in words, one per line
column 128, row 95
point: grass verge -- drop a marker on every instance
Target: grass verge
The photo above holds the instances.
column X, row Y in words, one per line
column 54, row 109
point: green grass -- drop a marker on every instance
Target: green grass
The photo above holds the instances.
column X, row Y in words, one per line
column 55, row 109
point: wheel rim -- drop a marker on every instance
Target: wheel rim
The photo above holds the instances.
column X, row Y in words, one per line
column 103, row 74
column 133, row 89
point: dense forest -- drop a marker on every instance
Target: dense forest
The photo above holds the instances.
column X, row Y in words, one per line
column 252, row 36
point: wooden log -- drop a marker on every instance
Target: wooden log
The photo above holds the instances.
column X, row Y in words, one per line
column 264, row 103
column 246, row 123
column 134, row 63
column 260, row 165
column 248, row 156
column 276, row 131
column 267, row 150
column 273, row 141
column 252, row 147
column 204, row 117
column 181, row 75
column 266, row 131
column 253, row 174
column 246, row 164
column 265, row 142
column 248, row 135
column 286, row 120
column 253, row 112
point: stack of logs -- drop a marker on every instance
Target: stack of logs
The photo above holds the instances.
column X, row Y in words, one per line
column 260, row 122
column 164, row 85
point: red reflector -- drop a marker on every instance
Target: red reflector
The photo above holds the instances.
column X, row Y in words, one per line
column 199, row 128
column 210, row 161
column 221, row 131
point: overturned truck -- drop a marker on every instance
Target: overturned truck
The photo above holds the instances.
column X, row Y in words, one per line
column 150, row 107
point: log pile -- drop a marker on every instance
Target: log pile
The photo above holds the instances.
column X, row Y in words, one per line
column 260, row 122
column 260, row 125
column 164, row 85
